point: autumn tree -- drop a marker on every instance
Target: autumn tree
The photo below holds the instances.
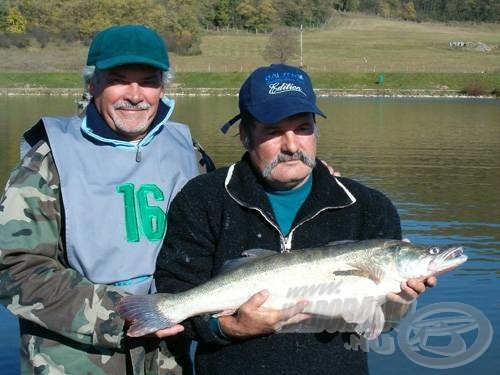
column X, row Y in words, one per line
column 15, row 22
column 283, row 46
column 409, row 11
column 182, row 26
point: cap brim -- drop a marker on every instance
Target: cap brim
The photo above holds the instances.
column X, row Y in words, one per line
column 279, row 109
column 129, row 60
column 225, row 128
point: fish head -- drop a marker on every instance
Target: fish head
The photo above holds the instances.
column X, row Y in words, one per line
column 420, row 261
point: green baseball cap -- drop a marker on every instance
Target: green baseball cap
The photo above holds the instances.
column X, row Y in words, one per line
column 128, row 44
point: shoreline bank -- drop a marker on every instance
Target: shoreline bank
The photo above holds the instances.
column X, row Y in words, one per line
column 179, row 91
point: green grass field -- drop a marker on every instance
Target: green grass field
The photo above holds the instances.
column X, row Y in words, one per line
column 359, row 44
column 348, row 53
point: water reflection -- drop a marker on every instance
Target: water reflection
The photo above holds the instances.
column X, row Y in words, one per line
column 437, row 159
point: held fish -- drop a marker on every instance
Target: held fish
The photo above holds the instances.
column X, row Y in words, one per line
column 347, row 279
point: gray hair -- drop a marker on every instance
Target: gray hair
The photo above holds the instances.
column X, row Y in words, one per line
column 89, row 75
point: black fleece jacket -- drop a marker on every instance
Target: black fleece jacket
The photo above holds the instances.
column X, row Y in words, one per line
column 217, row 216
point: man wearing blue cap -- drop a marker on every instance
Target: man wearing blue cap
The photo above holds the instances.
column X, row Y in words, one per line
column 278, row 197
column 84, row 214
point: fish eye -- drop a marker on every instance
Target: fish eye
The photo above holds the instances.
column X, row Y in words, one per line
column 434, row 250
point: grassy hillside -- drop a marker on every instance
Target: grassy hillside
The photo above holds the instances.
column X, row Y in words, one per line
column 360, row 44
column 355, row 48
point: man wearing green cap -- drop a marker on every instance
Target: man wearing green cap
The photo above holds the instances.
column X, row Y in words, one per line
column 84, row 214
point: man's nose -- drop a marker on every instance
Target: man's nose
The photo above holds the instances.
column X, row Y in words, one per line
column 289, row 142
column 134, row 93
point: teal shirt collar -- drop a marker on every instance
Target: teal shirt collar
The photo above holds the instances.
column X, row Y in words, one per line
column 286, row 203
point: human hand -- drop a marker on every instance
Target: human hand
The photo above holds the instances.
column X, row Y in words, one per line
column 397, row 304
column 332, row 171
column 167, row 332
column 252, row 319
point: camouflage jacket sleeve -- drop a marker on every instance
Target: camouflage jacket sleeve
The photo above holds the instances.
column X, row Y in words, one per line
column 35, row 281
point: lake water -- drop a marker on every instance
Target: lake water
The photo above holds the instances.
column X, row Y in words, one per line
column 437, row 159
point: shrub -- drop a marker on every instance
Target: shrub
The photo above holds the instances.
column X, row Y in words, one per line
column 20, row 40
column 474, row 89
column 184, row 43
column 42, row 36
column 4, row 41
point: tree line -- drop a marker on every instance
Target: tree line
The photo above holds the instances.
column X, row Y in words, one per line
column 181, row 22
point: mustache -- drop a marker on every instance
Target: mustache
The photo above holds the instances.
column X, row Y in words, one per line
column 299, row 155
column 127, row 105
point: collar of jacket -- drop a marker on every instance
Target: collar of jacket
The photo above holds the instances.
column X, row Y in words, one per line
column 245, row 186
column 94, row 126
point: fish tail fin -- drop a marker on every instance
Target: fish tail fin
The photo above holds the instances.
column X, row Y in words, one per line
column 144, row 314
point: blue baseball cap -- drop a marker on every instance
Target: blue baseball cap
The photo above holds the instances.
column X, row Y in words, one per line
column 128, row 44
column 273, row 93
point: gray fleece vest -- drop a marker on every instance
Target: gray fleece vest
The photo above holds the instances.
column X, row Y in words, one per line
column 115, row 203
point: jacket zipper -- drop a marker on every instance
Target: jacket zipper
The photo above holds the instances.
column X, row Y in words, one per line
column 282, row 238
column 138, row 153
column 286, row 241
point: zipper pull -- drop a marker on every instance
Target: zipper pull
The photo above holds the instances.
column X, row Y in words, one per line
column 286, row 243
column 138, row 154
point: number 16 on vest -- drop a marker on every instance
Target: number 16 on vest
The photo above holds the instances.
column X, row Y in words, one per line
column 140, row 216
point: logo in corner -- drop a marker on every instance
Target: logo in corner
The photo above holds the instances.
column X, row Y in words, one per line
column 438, row 336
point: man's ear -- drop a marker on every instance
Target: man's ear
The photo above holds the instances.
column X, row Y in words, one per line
column 244, row 139
column 241, row 133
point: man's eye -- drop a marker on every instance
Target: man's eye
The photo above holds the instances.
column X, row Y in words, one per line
column 274, row 133
column 151, row 83
column 306, row 129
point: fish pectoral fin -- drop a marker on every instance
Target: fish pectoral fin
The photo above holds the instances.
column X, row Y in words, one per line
column 224, row 313
column 352, row 272
column 372, row 327
column 370, row 270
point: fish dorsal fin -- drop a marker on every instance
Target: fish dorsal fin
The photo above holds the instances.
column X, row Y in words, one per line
column 253, row 253
column 342, row 242
column 247, row 257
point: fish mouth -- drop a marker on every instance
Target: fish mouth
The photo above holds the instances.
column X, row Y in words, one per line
column 448, row 259
column 453, row 252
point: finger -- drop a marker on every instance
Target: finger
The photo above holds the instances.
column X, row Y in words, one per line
column 256, row 300
column 171, row 331
column 408, row 294
column 402, row 298
column 416, row 286
column 289, row 312
column 300, row 317
column 430, row 282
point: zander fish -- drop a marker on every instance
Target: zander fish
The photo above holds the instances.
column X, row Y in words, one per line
column 347, row 279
